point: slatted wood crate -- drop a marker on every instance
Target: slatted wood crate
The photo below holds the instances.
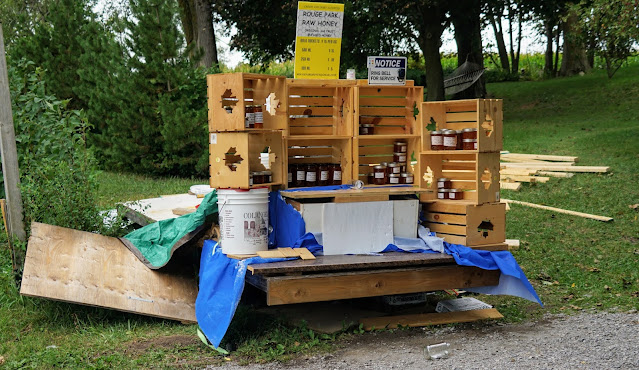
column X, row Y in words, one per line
column 370, row 150
column 316, row 151
column 486, row 115
column 234, row 155
column 460, row 222
column 477, row 174
column 230, row 93
column 395, row 111
column 320, row 108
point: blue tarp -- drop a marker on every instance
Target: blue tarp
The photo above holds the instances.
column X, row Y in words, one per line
column 222, row 278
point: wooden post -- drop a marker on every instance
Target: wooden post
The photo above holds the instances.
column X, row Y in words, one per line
column 9, row 152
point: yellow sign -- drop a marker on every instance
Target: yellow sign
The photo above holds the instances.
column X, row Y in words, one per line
column 318, row 40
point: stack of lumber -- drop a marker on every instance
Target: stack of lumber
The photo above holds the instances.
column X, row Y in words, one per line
column 516, row 168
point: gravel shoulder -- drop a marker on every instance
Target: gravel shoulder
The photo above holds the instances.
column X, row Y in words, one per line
column 584, row 341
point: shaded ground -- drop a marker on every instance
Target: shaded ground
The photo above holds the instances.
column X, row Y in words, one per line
column 586, row 340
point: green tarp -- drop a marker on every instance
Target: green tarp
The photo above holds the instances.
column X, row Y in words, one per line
column 155, row 243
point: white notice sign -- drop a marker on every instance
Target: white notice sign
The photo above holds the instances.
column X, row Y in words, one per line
column 386, row 70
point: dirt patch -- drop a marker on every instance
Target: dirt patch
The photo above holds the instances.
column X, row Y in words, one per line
column 138, row 347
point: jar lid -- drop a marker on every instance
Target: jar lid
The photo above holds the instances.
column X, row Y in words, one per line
column 454, row 190
column 393, row 164
column 458, row 131
column 399, row 153
column 384, row 164
column 366, row 125
column 442, row 190
column 407, row 174
column 469, row 140
column 400, row 142
column 437, row 132
column 393, row 175
column 443, row 179
column 379, row 167
column 469, row 130
column 448, row 132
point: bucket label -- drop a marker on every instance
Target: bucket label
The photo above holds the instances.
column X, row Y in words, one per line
column 255, row 226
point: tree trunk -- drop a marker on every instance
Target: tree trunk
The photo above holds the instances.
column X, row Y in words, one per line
column 465, row 15
column 519, row 27
column 429, row 39
column 574, row 58
column 205, row 33
column 548, row 63
column 188, row 20
column 495, row 21
column 557, row 36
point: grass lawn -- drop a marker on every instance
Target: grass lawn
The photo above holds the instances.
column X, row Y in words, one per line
column 573, row 263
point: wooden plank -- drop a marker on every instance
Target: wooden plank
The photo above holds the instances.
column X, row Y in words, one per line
column 9, row 154
column 241, row 256
column 428, row 319
column 305, row 254
column 445, row 218
column 289, row 252
column 95, row 270
column 272, row 253
column 562, row 168
column 543, row 157
column 352, row 262
column 368, row 190
column 514, row 186
column 446, row 229
column 559, row 210
column 556, row 174
column 521, row 178
column 327, row 287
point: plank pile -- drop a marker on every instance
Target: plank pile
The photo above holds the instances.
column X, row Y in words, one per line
column 516, row 168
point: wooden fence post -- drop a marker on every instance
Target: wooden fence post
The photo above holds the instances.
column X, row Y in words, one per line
column 9, row 153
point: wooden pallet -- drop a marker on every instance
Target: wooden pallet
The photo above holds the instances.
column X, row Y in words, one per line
column 322, row 149
column 395, row 111
column 370, row 150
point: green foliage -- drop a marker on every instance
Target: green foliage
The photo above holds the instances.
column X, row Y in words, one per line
column 612, row 27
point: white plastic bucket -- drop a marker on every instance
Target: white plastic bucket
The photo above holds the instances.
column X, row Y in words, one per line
column 243, row 218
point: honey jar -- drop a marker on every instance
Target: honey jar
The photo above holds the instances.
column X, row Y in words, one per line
column 366, row 129
column 379, row 175
column 268, row 176
column 399, row 157
column 436, row 140
column 393, row 178
column 402, row 166
column 258, row 116
column 469, row 133
column 258, row 178
column 324, row 174
column 444, row 183
column 299, row 179
column 400, row 147
column 450, row 139
column 311, row 175
column 459, row 139
column 406, row 178
column 455, row 194
column 442, row 193
column 469, row 144
column 394, row 168
column 335, row 175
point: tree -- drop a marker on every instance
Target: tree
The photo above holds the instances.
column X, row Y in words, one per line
column 465, row 15
column 494, row 11
column 197, row 25
column 574, row 58
column 613, row 28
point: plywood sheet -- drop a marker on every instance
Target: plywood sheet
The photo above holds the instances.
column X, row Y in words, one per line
column 85, row 268
column 161, row 208
column 357, row 228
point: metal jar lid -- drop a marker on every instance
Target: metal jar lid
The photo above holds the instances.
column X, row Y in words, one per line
column 469, row 130
column 393, row 164
column 383, row 164
column 400, row 143
column 469, row 140
column 366, row 125
column 454, row 190
column 379, row 167
column 438, row 132
column 407, row 174
column 458, row 131
column 443, row 190
column 443, row 179
column 393, row 175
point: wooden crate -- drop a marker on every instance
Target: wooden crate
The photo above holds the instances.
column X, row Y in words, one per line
column 320, row 107
column 477, row 174
column 467, row 224
column 303, row 150
column 485, row 115
column 233, row 155
column 394, row 110
column 230, row 93
column 370, row 150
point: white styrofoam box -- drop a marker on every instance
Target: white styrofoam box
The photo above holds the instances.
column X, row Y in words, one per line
column 405, row 213
column 312, row 215
column 357, row 228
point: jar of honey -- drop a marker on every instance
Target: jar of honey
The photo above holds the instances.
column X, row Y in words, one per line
column 400, row 147
column 268, row 176
column 469, row 133
column 299, row 180
column 393, row 178
column 402, row 167
column 335, row 175
column 399, row 157
column 469, row 144
column 291, row 171
column 371, row 178
column 442, row 193
column 450, row 139
column 258, row 178
column 444, row 183
column 311, row 174
column 366, row 129
column 324, row 175
column 258, row 116
column 406, row 178
column 455, row 194
column 379, row 175
column 459, row 139
column 394, row 168
column 436, row 140
column 386, row 168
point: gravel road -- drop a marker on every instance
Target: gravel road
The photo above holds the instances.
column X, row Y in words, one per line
column 580, row 341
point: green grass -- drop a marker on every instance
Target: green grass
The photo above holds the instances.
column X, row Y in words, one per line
column 573, row 263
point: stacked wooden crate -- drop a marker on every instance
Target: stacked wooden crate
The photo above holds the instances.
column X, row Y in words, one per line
column 478, row 219
column 236, row 150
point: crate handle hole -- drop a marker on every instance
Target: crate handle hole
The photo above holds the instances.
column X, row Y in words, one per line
column 272, row 103
column 486, row 177
column 488, row 126
column 428, row 176
column 232, row 159
column 432, row 126
column 229, row 101
column 415, row 110
column 267, row 158
column 485, row 227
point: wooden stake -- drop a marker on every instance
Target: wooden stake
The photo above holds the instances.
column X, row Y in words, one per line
column 9, row 153
column 542, row 157
column 515, row 186
column 558, row 210
column 556, row 174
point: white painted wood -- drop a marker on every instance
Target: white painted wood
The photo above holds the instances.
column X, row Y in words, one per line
column 357, row 228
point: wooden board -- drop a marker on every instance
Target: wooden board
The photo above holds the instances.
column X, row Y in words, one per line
column 351, row 262
column 427, row 319
column 85, row 268
column 347, row 285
